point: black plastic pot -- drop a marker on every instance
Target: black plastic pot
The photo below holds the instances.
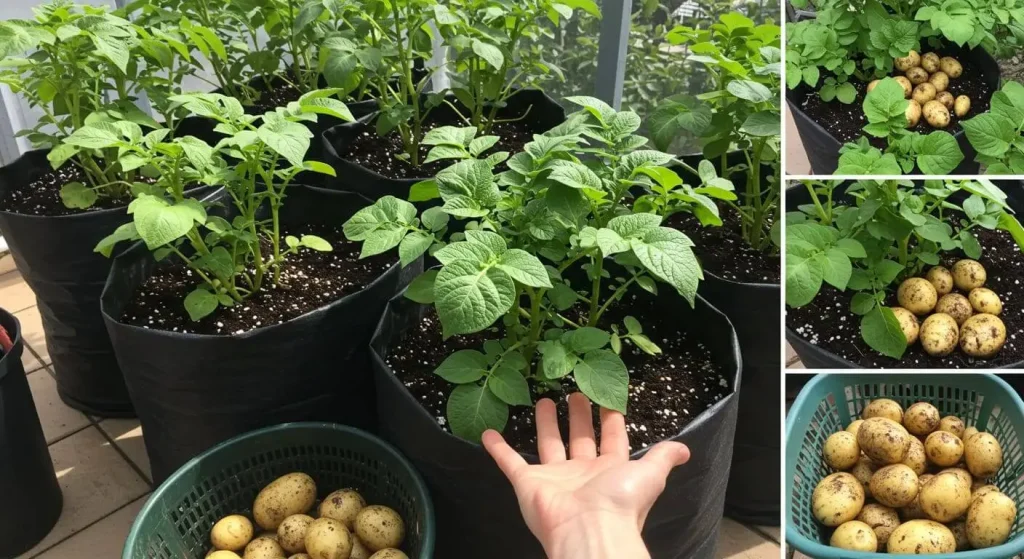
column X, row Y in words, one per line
column 55, row 256
column 194, row 391
column 823, row 148
column 477, row 512
column 32, row 499
column 545, row 113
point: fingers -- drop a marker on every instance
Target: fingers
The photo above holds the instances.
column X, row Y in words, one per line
column 549, row 440
column 509, row 461
column 581, row 427
column 614, row 440
column 667, row 455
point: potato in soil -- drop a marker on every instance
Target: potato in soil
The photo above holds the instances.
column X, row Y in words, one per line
column 939, row 335
column 917, row 295
column 956, row 306
column 968, row 274
column 908, row 324
column 939, row 276
column 984, row 300
column 982, row 336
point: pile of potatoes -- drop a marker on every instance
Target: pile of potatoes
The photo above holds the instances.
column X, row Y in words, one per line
column 912, row 483
column 345, row 527
column 925, row 82
column 972, row 321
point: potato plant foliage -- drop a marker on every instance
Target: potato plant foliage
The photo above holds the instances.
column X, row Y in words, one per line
column 561, row 208
column 996, row 134
column 891, row 232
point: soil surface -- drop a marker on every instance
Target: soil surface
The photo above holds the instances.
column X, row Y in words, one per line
column 828, row 322
column 666, row 392
column 378, row 153
column 278, row 95
column 42, row 196
column 310, row 280
column 846, row 122
column 723, row 251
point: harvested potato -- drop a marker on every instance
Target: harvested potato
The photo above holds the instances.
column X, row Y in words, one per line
column 854, row 426
column 984, row 300
column 854, row 535
column 302, row 556
column 223, row 554
column 231, row 533
column 883, row 440
column 863, row 470
column 287, row 495
column 913, row 113
column 883, row 407
column 943, row 449
column 968, row 274
column 380, row 527
column 343, row 505
column 916, row 458
column 840, row 450
column 328, row 538
column 930, row 62
column 939, row 334
column 945, row 497
column 946, row 98
column 907, row 86
column 990, row 519
column 984, row 455
column 961, row 106
column 873, row 84
column 959, row 529
column 941, row 279
column 963, row 475
column 883, row 520
column 953, row 424
column 921, row 418
column 913, row 511
column 291, row 534
column 982, row 335
column 923, row 93
column 264, row 548
column 950, row 66
column 940, row 81
column 955, row 305
column 936, row 114
column 359, row 551
column 984, row 489
column 904, row 63
column 917, row 295
column 968, row 433
column 389, row 553
column 894, row 486
column 919, row 537
column 908, row 324
column 917, row 75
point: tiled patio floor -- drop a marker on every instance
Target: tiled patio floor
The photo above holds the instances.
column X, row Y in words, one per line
column 104, row 472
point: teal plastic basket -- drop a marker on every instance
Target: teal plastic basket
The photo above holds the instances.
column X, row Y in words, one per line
column 831, row 401
column 176, row 521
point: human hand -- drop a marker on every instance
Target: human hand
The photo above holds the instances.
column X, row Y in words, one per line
column 591, row 505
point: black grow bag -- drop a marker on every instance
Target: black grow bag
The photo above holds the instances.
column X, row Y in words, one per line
column 545, row 114
column 823, row 148
column 32, row 499
column 814, row 357
column 194, row 391
column 55, row 256
column 477, row 512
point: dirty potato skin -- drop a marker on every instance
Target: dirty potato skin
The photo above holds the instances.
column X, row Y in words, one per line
column 969, row 274
column 955, row 305
column 389, row 553
column 854, row 535
column 951, row 66
column 946, row 98
column 223, row 554
column 359, row 551
column 982, row 335
column 913, row 113
column 936, row 114
column 924, row 92
column 982, row 490
column 840, row 450
column 287, row 495
column 343, row 505
column 955, row 425
column 913, row 511
column 883, row 407
column 939, row 334
column 968, row 433
column 231, row 533
column 904, row 63
column 939, row 80
column 263, row 548
column 959, row 529
column 863, row 470
column 908, row 324
column 963, row 475
column 916, row 458
column 894, row 486
column 854, row 426
column 291, row 534
column 939, row 276
column 984, row 300
column 328, row 538
column 882, row 519
column 984, row 455
column 920, row 537
column 962, row 106
column 930, row 62
column 943, row 449
column 921, row 418
column 990, row 519
column 906, row 85
column 883, row 440
column 917, row 295
column 917, row 76
column 380, row 527
column 945, row 497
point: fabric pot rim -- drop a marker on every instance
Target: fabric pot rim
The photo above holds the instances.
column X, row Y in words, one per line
column 702, row 418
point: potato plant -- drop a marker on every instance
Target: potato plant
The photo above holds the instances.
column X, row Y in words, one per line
column 891, row 233
column 562, row 205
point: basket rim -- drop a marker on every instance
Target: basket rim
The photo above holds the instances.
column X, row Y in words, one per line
column 1011, row 548
column 420, row 489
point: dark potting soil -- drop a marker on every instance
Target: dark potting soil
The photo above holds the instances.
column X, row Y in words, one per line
column 309, row 280
column 723, row 250
column 278, row 95
column 378, row 153
column 666, row 391
column 42, row 196
column 828, row 323
column 846, row 122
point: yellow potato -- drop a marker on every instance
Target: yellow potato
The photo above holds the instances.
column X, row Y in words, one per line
column 941, row 279
column 968, row 274
column 943, row 449
column 894, row 486
column 873, row 84
column 959, row 529
column 984, row 300
column 883, row 407
column 990, row 519
column 854, row 535
column 918, row 537
column 963, row 475
column 962, row 106
column 291, row 534
column 945, row 497
column 913, row 113
column 921, row 418
column 924, row 92
column 950, row 66
column 854, row 426
column 953, row 424
column 389, row 554
column 930, row 62
column 983, row 489
column 343, row 505
column 231, row 533
column 882, row 519
column 328, row 538
column 956, row 306
column 263, row 548
column 913, row 511
column 984, row 455
column 840, row 450
column 904, row 63
column 883, row 440
column 939, row 80
column 862, row 471
column 939, row 335
column 306, row 556
column 223, row 554
column 936, row 114
column 380, row 527
column 946, row 98
column 917, row 75
column 359, row 551
column 287, row 495
column 982, row 335
column 906, row 85
column 968, row 433
column 908, row 324
column 917, row 295
column 916, row 457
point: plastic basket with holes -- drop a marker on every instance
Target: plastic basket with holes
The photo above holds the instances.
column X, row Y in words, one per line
column 176, row 521
column 830, row 402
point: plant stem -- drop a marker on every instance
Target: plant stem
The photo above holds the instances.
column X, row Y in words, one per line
column 615, row 296
column 535, row 326
column 595, row 291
